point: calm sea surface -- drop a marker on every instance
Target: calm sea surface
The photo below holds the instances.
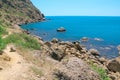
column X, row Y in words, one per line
column 103, row 32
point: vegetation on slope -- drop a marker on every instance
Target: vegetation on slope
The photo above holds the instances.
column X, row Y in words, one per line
column 18, row 11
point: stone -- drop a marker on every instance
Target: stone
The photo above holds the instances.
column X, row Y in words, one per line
column 48, row 44
column 84, row 39
column 76, row 69
column 55, row 40
column 78, row 47
column 12, row 49
column 102, row 60
column 114, row 65
column 61, row 29
column 94, row 52
column 1, row 52
column 58, row 54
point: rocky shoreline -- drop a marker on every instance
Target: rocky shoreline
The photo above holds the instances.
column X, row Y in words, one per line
column 59, row 50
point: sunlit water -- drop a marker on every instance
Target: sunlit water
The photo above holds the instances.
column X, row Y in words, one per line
column 103, row 32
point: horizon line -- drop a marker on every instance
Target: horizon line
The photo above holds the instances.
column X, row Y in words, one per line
column 87, row 15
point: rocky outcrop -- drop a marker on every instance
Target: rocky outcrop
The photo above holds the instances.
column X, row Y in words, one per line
column 76, row 69
column 18, row 12
column 114, row 65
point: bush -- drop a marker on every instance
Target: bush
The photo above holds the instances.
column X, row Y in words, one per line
column 102, row 72
column 23, row 40
column 2, row 30
column 2, row 44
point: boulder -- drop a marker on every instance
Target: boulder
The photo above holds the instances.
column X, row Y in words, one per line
column 75, row 69
column 58, row 54
column 78, row 46
column 61, row 29
column 94, row 52
column 55, row 40
column 48, row 44
column 12, row 49
column 114, row 65
column 102, row 60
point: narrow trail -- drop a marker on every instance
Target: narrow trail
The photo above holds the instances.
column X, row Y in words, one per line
column 17, row 66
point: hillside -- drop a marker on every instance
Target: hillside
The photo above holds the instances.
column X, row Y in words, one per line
column 18, row 11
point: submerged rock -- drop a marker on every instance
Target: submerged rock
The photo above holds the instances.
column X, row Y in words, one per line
column 98, row 39
column 84, row 39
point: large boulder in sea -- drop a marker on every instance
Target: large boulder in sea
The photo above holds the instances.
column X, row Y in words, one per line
column 61, row 29
column 114, row 65
column 75, row 69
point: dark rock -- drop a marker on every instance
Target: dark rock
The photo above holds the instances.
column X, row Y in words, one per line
column 58, row 54
column 55, row 40
column 114, row 65
column 1, row 52
column 78, row 46
column 12, row 49
column 61, row 29
column 1, row 68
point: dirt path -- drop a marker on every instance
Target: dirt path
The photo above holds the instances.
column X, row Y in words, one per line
column 17, row 66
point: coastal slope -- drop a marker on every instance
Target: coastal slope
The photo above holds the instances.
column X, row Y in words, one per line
column 18, row 12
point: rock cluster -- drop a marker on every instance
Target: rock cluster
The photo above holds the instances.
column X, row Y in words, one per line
column 60, row 50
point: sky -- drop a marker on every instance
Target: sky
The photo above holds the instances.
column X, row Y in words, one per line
column 78, row 7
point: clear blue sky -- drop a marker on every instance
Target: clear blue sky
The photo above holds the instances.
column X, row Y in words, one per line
column 78, row 7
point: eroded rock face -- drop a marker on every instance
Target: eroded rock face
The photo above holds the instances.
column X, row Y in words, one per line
column 114, row 65
column 76, row 69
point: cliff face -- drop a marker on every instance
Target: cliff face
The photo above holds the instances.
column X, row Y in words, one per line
column 18, row 12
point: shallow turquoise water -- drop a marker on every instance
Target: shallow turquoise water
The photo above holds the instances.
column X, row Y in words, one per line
column 105, row 28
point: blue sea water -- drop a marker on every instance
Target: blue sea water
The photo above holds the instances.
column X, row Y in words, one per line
column 105, row 28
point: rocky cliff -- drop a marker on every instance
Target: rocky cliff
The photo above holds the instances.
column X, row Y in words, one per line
column 18, row 12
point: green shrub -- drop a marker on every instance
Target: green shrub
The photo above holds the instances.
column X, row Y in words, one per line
column 2, row 44
column 2, row 30
column 102, row 72
column 23, row 40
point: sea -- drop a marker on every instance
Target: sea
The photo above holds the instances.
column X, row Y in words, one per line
column 103, row 32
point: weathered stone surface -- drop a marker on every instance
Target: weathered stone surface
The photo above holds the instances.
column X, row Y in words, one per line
column 94, row 52
column 76, row 69
column 114, row 65
column 55, row 40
